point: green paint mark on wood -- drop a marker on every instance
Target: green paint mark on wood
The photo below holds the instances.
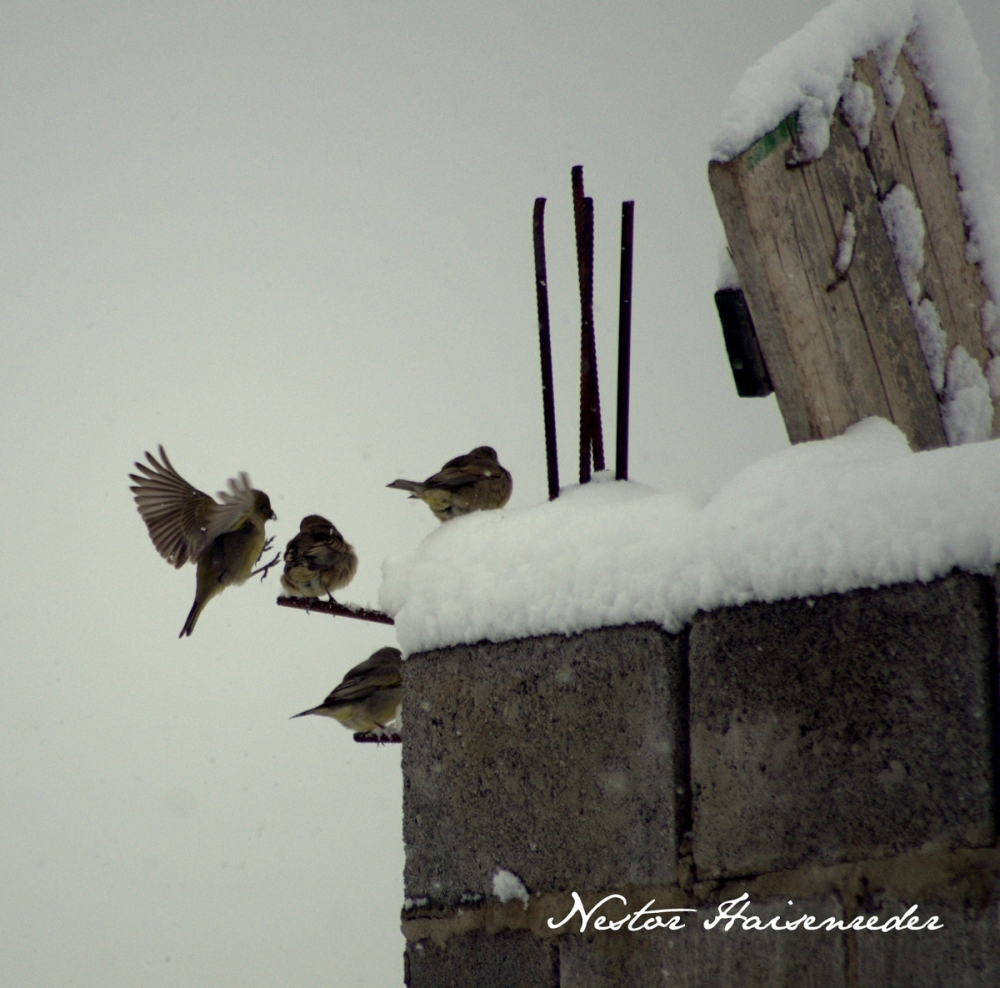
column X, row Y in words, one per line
column 780, row 137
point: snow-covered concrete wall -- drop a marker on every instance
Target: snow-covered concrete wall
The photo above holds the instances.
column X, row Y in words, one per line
column 834, row 756
column 860, row 510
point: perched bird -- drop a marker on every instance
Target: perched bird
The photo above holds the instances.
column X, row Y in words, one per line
column 318, row 560
column 369, row 697
column 474, row 482
column 225, row 540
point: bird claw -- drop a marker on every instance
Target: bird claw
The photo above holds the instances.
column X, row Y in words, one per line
column 263, row 569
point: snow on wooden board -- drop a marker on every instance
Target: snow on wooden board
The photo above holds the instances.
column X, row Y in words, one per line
column 911, row 340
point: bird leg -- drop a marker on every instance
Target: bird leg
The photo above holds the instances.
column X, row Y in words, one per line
column 268, row 542
column 263, row 569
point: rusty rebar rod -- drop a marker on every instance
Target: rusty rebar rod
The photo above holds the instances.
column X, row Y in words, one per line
column 624, row 342
column 314, row 604
column 545, row 347
column 591, row 436
column 593, row 388
column 583, row 270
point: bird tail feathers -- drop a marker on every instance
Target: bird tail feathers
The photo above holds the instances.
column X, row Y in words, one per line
column 192, row 618
column 407, row 485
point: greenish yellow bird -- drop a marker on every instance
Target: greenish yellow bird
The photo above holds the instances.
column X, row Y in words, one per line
column 369, row 697
column 318, row 560
column 473, row 482
column 225, row 540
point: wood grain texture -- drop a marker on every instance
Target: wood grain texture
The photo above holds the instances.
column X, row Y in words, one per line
column 741, row 233
column 913, row 149
column 840, row 348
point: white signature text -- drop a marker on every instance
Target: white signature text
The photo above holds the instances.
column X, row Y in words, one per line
column 731, row 912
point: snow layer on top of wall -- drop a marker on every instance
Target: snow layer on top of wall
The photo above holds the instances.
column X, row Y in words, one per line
column 860, row 510
column 810, row 71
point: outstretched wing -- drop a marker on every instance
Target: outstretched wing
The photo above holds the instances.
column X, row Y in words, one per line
column 174, row 512
column 237, row 503
column 181, row 519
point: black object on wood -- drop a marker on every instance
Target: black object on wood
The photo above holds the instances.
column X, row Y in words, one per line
column 745, row 357
column 545, row 346
column 624, row 342
column 591, row 434
column 333, row 608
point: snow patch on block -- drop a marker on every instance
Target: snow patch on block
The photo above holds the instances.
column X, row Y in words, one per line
column 845, row 244
column 967, row 411
column 507, row 886
column 904, row 225
column 858, row 107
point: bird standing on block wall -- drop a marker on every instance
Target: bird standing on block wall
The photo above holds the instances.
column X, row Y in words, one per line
column 318, row 560
column 225, row 540
column 369, row 697
column 474, row 482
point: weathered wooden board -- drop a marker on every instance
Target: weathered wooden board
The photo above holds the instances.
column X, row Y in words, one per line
column 913, row 149
column 741, row 217
column 840, row 347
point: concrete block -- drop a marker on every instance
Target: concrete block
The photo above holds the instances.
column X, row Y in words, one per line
column 965, row 954
column 482, row 960
column 557, row 758
column 843, row 727
column 698, row 958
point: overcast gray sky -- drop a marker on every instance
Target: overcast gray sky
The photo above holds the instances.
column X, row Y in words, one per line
column 295, row 239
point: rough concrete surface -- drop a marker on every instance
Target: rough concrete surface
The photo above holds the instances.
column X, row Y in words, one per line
column 843, row 727
column 965, row 954
column 482, row 960
column 561, row 759
column 961, row 888
column 698, row 958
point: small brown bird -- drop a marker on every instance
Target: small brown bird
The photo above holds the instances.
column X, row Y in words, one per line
column 318, row 560
column 474, row 482
column 225, row 540
column 369, row 697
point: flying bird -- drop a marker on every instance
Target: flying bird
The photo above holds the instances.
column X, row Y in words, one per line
column 369, row 697
column 474, row 482
column 225, row 540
